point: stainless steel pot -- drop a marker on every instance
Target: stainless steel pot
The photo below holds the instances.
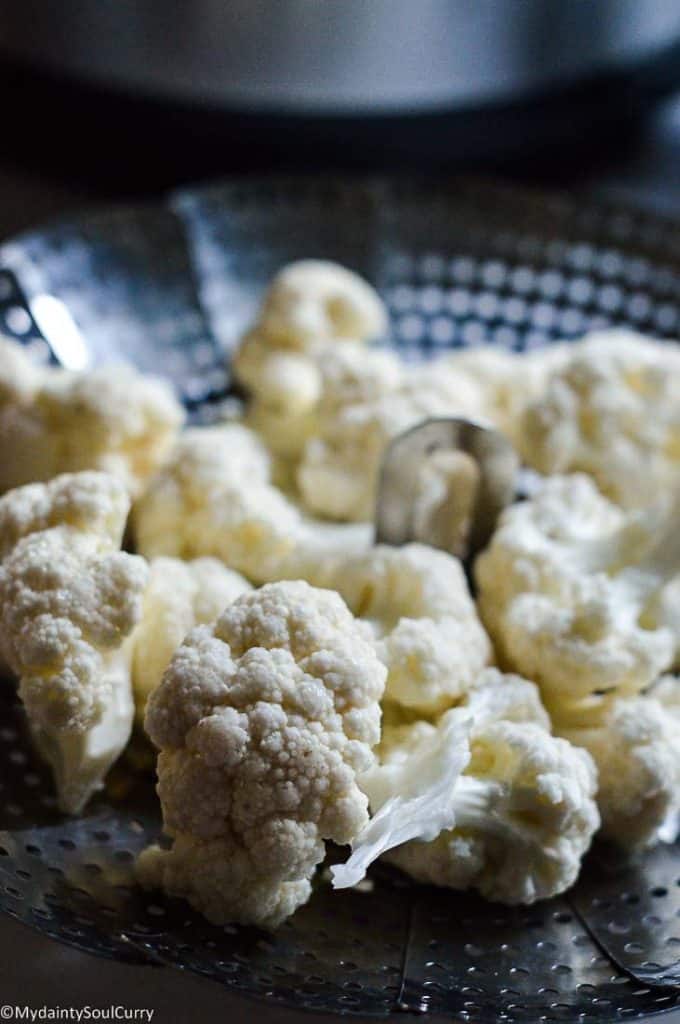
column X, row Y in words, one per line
column 337, row 57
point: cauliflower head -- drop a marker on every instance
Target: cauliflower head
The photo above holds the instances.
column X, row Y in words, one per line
column 309, row 308
column 422, row 620
column 338, row 473
column 69, row 598
column 314, row 301
column 364, row 405
column 263, row 721
column 284, row 389
column 55, row 421
column 179, row 595
column 214, row 498
column 634, row 744
column 507, row 381
column 611, row 411
column 581, row 596
column 348, row 372
column 485, row 798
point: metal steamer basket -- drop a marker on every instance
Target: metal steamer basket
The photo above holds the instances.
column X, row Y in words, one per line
column 170, row 287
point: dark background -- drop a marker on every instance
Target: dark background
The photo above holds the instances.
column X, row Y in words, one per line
column 63, row 147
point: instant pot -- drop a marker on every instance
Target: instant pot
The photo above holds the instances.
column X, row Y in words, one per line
column 339, row 57
column 357, row 79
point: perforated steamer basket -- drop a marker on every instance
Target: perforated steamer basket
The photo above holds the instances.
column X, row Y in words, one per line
column 170, row 287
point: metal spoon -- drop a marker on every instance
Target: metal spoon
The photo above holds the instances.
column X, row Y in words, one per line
column 493, row 457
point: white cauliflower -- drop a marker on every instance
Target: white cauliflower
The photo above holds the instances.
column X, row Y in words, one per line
column 310, row 307
column 508, row 381
column 584, row 597
column 178, row 596
column 69, row 598
column 347, row 373
column 314, row 301
column 284, row 433
column 54, row 421
column 423, row 621
column 336, row 406
column 214, row 497
column 354, row 372
column 613, row 411
column 485, row 797
column 338, row 473
column 634, row 743
column 285, row 381
column 581, row 596
column 411, row 795
column 264, row 722
column 356, row 418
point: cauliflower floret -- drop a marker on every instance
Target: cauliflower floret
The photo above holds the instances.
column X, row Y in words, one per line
column 412, row 795
column 284, row 389
column 336, row 406
column 213, row 497
column 69, row 598
column 287, row 382
column 314, row 301
column 485, row 797
column 423, row 622
column 264, row 722
column 55, row 421
column 584, row 597
column 309, row 308
column 338, row 473
column 88, row 503
column 353, row 372
column 339, row 469
column 613, row 412
column 579, row 595
column 179, row 596
column 634, row 743
column 347, row 372
column 508, row 381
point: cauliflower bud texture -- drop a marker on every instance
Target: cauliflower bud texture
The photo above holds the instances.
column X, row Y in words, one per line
column 178, row 596
column 69, row 599
column 421, row 616
column 214, row 497
column 634, row 743
column 612, row 411
column 580, row 595
column 56, row 421
column 484, row 797
column 310, row 308
column 338, row 473
column 368, row 398
column 584, row 597
column 263, row 721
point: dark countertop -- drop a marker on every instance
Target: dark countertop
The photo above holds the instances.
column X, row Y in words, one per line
column 38, row 972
